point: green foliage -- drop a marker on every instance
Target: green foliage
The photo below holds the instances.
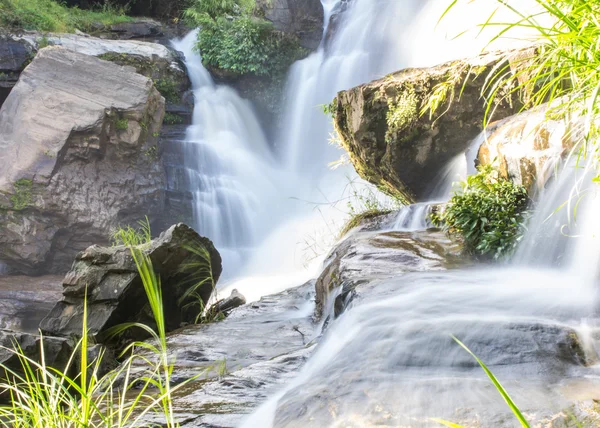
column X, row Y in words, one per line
column 402, row 114
column 129, row 236
column 122, row 124
column 488, row 213
column 50, row 15
column 199, row 273
column 172, row 119
column 365, row 203
column 152, row 153
column 561, row 70
column 329, row 109
column 199, row 9
column 168, row 88
column 234, row 40
column 21, row 198
column 79, row 395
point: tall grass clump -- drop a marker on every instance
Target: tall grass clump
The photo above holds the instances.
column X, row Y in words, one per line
column 84, row 393
column 53, row 16
column 562, row 67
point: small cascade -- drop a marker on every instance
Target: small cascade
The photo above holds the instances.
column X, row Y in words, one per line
column 413, row 217
column 416, row 216
column 569, row 204
column 228, row 163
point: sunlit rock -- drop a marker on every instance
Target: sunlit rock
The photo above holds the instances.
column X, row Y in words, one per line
column 109, row 277
column 78, row 146
column 395, row 143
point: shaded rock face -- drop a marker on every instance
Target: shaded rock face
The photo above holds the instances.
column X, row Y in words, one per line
column 365, row 257
column 25, row 301
column 161, row 9
column 525, row 148
column 14, row 56
column 115, row 293
column 302, row 18
column 395, row 147
column 77, row 138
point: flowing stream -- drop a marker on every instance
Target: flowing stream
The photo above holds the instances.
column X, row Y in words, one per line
column 389, row 359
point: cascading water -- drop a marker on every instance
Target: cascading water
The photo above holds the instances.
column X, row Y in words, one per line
column 230, row 167
column 389, row 359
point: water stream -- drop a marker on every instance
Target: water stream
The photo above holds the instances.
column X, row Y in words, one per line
column 389, row 359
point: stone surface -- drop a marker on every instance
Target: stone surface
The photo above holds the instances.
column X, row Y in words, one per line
column 302, row 18
column 78, row 145
column 365, row 257
column 235, row 300
column 526, row 147
column 25, row 301
column 395, row 147
column 138, row 29
column 115, row 293
column 14, row 56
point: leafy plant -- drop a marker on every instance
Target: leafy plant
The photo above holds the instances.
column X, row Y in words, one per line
column 232, row 39
column 168, row 88
column 562, row 68
column 488, row 213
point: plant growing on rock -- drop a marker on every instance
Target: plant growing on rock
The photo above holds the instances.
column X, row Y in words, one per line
column 231, row 38
column 488, row 213
column 79, row 395
column 561, row 69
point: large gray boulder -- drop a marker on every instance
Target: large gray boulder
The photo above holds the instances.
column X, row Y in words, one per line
column 115, row 293
column 402, row 151
column 302, row 18
column 78, row 156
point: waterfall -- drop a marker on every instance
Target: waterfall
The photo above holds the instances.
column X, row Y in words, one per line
column 230, row 169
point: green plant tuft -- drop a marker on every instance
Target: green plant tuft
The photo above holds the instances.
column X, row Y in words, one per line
column 488, row 213
column 122, row 124
column 231, row 38
column 22, row 197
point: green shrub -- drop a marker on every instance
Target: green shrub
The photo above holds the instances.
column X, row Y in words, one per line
column 488, row 213
column 50, row 15
column 232, row 39
column 168, row 88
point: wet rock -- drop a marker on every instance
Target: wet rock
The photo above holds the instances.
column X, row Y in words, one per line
column 25, row 301
column 366, row 257
column 301, row 18
column 525, row 148
column 115, row 293
column 395, row 147
column 77, row 138
column 138, row 29
column 235, row 300
column 14, row 56
column 243, row 359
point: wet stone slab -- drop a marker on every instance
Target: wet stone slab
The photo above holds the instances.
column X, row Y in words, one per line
column 24, row 301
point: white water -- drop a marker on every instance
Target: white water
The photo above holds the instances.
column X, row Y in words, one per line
column 390, row 360
column 386, row 360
